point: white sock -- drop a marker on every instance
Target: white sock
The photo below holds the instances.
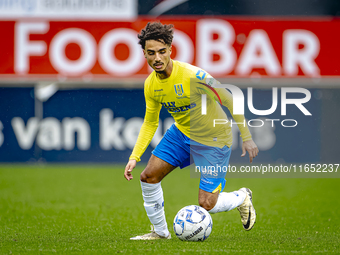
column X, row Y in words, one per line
column 154, row 206
column 228, row 201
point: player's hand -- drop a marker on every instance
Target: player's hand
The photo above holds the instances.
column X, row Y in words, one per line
column 252, row 149
column 128, row 169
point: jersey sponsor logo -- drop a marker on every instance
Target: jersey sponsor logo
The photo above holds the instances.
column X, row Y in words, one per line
column 179, row 89
column 158, row 90
column 169, row 104
column 172, row 108
column 200, row 74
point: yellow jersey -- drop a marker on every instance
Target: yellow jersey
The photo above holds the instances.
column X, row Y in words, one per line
column 181, row 94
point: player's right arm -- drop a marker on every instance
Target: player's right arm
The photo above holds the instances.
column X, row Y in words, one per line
column 146, row 133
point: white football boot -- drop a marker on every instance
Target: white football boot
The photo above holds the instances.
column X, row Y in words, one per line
column 247, row 210
column 151, row 236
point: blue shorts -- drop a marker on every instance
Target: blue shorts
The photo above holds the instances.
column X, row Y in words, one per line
column 179, row 150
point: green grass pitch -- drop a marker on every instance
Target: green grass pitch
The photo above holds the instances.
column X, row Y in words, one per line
column 92, row 209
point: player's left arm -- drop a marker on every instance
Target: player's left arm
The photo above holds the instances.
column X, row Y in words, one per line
column 226, row 98
column 248, row 144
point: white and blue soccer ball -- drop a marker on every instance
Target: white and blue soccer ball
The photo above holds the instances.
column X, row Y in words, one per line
column 193, row 223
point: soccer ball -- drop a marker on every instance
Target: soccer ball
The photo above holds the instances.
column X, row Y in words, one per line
column 192, row 223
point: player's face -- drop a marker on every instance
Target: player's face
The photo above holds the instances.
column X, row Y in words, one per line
column 157, row 54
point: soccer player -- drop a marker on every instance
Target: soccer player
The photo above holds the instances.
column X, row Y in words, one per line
column 192, row 136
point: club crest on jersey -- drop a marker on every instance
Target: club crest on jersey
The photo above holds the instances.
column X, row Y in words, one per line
column 200, row 74
column 179, row 89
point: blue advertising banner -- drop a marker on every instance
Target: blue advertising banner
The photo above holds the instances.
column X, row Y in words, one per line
column 102, row 125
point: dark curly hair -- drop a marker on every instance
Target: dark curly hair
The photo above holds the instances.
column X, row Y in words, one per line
column 156, row 31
